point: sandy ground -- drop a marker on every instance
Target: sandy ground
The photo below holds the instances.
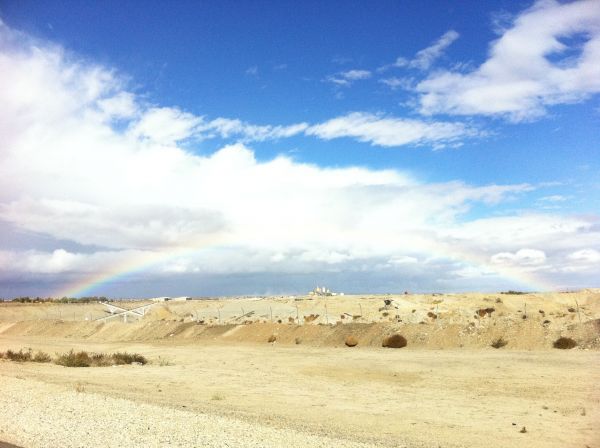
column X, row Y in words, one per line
column 224, row 385
column 471, row 398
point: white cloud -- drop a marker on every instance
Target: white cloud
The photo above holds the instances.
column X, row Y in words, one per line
column 83, row 160
column 585, row 256
column 390, row 131
column 165, row 125
column 346, row 78
column 531, row 66
column 226, row 127
column 354, row 75
column 526, row 257
column 426, row 57
column 398, row 83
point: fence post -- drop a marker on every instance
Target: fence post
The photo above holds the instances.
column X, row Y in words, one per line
column 219, row 312
column 297, row 315
column 578, row 315
column 271, row 308
column 326, row 315
column 360, row 306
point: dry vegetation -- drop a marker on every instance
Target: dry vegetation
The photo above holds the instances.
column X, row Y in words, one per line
column 75, row 359
column 564, row 343
column 394, row 341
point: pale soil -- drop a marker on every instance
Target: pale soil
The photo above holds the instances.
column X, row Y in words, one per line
column 288, row 394
column 226, row 386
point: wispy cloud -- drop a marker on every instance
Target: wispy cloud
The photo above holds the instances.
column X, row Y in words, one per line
column 391, row 131
column 425, row 58
column 531, row 66
column 348, row 77
column 252, row 71
column 398, row 83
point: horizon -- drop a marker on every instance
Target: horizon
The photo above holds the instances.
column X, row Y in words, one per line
column 258, row 149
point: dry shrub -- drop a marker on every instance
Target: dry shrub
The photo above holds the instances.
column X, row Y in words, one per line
column 298, row 341
column 72, row 359
column 571, row 310
column 432, row 315
column 311, row 317
column 128, row 358
column 342, row 316
column 19, row 356
column 291, row 320
column 394, row 341
column 385, row 314
column 41, row 357
column 356, row 316
column 272, row 338
column 499, row 343
column 85, row 359
column 483, row 311
column 564, row 343
column 351, row 341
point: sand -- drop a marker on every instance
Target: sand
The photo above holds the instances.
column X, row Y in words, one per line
column 226, row 386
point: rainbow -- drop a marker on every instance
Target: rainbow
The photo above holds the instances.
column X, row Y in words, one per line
column 140, row 262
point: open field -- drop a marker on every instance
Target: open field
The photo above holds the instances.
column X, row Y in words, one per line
column 225, row 385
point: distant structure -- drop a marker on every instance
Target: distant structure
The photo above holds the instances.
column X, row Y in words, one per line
column 323, row 291
column 180, row 299
column 160, row 299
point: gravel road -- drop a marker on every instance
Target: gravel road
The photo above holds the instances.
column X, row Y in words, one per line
column 35, row 414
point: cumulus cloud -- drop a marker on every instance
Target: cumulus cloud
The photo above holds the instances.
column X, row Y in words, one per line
column 586, row 256
column 548, row 56
column 84, row 160
column 526, row 257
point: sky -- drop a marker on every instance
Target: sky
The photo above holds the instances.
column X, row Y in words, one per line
column 251, row 148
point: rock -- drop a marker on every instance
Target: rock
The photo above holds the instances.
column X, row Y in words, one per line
column 351, row 341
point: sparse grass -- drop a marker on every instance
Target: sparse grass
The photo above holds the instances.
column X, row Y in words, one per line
column 272, row 338
column 564, row 343
column 163, row 362
column 499, row 343
column 79, row 388
column 217, row 396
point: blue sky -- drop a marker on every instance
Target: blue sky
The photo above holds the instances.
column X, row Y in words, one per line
column 402, row 145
